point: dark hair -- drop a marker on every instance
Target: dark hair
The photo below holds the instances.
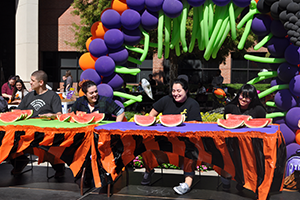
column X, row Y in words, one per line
column 86, row 84
column 183, row 83
column 68, row 73
column 15, row 89
column 12, row 78
column 40, row 75
column 248, row 91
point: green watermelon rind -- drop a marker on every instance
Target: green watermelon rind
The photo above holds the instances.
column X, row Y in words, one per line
column 66, row 119
column 266, row 123
column 237, row 123
column 176, row 123
column 3, row 117
column 96, row 114
column 77, row 119
column 140, row 123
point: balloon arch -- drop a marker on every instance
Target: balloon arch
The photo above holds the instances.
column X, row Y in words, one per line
column 127, row 23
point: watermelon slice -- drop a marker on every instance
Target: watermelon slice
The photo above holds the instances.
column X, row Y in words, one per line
column 85, row 119
column 98, row 117
column 143, row 120
column 171, row 120
column 9, row 117
column 233, row 116
column 80, row 113
column 64, row 117
column 26, row 113
column 258, row 122
column 230, row 123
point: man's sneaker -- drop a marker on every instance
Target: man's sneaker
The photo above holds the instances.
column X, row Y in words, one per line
column 226, row 184
column 147, row 177
column 182, row 188
column 20, row 164
column 226, row 187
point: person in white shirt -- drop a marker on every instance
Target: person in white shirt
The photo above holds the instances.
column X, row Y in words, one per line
column 19, row 92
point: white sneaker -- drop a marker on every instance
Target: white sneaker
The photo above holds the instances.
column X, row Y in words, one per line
column 182, row 188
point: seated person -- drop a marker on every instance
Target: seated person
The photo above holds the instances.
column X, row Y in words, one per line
column 178, row 102
column 19, row 92
column 217, row 80
column 92, row 102
column 8, row 88
column 43, row 102
column 3, row 105
column 246, row 102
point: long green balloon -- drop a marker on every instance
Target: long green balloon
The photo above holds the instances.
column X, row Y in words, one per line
column 186, row 7
column 263, row 41
column 133, row 60
column 273, row 89
column 151, row 44
column 253, row 10
column 125, row 70
column 175, row 33
column 258, row 79
column 146, row 44
column 138, row 98
column 201, row 36
column 263, row 59
column 210, row 17
column 221, row 32
column 135, row 49
column 195, row 28
column 245, row 34
column 276, row 114
column 129, row 102
column 204, row 25
column 232, row 20
column 270, row 74
column 271, row 104
column 161, row 17
column 167, row 36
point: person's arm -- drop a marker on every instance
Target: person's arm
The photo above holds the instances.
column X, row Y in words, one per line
column 153, row 113
column 120, row 117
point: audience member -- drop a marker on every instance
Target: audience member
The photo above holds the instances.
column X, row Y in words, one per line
column 217, row 80
column 3, row 105
column 8, row 88
column 19, row 92
column 69, row 81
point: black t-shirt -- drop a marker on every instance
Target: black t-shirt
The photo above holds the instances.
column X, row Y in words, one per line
column 255, row 112
column 190, row 108
column 48, row 102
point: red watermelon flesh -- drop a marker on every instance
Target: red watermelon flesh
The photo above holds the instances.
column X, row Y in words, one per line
column 85, row 119
column 143, row 120
column 10, row 117
column 80, row 113
column 26, row 113
column 64, row 117
column 230, row 123
column 98, row 117
column 258, row 122
column 171, row 120
column 233, row 116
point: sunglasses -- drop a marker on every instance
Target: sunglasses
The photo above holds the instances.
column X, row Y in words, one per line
column 246, row 99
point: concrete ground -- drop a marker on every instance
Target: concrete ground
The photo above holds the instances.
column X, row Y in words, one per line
column 34, row 185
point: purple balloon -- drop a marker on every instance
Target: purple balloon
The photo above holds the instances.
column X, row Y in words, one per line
column 277, row 29
column 154, row 5
column 242, row 3
column 284, row 100
column 291, row 149
column 119, row 55
column 172, row 8
column 276, row 46
column 114, row 38
column 105, row 66
column 98, row 48
column 105, row 90
column 294, row 85
column 292, row 55
column 114, row 80
column 288, row 134
column 261, row 25
column 286, row 72
column 132, row 37
column 196, row 3
column 292, row 117
column 278, row 120
column 149, row 20
column 130, row 19
column 90, row 74
column 119, row 103
column 136, row 5
column 221, row 2
column 111, row 19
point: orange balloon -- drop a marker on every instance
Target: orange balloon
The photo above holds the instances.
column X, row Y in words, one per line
column 87, row 61
column 98, row 30
column 297, row 138
column 119, row 5
column 80, row 93
column 88, row 41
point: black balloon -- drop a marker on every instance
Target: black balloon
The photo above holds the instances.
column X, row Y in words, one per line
column 295, row 27
column 297, row 43
column 296, row 1
column 288, row 25
column 262, row 7
column 296, row 34
column 293, row 39
column 283, row 4
column 291, row 33
column 298, row 30
column 275, row 11
column 292, row 7
column 270, row 2
column 284, row 16
column 293, row 19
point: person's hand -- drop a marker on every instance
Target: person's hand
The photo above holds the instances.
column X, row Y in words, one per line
column 299, row 124
column 47, row 115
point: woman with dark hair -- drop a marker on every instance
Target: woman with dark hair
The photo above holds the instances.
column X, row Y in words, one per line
column 19, row 92
column 246, row 102
column 178, row 102
column 92, row 102
column 69, row 80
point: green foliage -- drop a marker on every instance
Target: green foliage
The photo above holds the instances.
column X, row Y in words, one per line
column 213, row 117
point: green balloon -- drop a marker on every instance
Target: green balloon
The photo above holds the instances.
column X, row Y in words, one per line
column 146, row 44
column 125, row 70
column 276, row 114
column 160, row 33
column 167, row 36
column 264, row 60
column 138, row 98
column 273, row 89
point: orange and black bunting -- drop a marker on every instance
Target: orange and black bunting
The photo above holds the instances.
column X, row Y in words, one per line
column 254, row 159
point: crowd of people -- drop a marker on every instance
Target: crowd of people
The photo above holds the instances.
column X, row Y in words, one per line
column 45, row 102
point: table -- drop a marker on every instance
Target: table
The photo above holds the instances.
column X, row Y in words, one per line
column 254, row 157
column 66, row 142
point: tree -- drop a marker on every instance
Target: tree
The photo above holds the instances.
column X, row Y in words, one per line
column 90, row 10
